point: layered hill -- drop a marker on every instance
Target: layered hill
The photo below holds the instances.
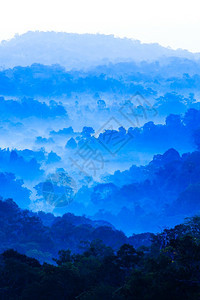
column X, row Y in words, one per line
column 80, row 50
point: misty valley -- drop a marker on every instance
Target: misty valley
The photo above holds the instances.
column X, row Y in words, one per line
column 99, row 169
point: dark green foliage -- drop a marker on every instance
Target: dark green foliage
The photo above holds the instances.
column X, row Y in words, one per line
column 169, row 269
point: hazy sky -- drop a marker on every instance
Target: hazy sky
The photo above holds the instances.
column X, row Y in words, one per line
column 174, row 23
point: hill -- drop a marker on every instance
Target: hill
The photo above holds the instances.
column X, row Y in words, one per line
column 79, row 50
column 41, row 235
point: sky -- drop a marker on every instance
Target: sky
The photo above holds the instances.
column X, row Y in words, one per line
column 171, row 23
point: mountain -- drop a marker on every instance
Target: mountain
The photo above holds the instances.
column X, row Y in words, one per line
column 80, row 50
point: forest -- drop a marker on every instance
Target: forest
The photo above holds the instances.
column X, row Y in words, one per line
column 167, row 269
column 99, row 169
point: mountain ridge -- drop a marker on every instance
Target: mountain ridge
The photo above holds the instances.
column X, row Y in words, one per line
column 78, row 51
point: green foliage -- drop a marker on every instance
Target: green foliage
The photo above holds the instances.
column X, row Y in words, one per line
column 169, row 269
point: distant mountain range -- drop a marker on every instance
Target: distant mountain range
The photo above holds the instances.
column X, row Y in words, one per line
column 78, row 51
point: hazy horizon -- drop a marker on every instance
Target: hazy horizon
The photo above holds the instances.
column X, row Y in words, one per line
column 99, row 33
column 173, row 24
